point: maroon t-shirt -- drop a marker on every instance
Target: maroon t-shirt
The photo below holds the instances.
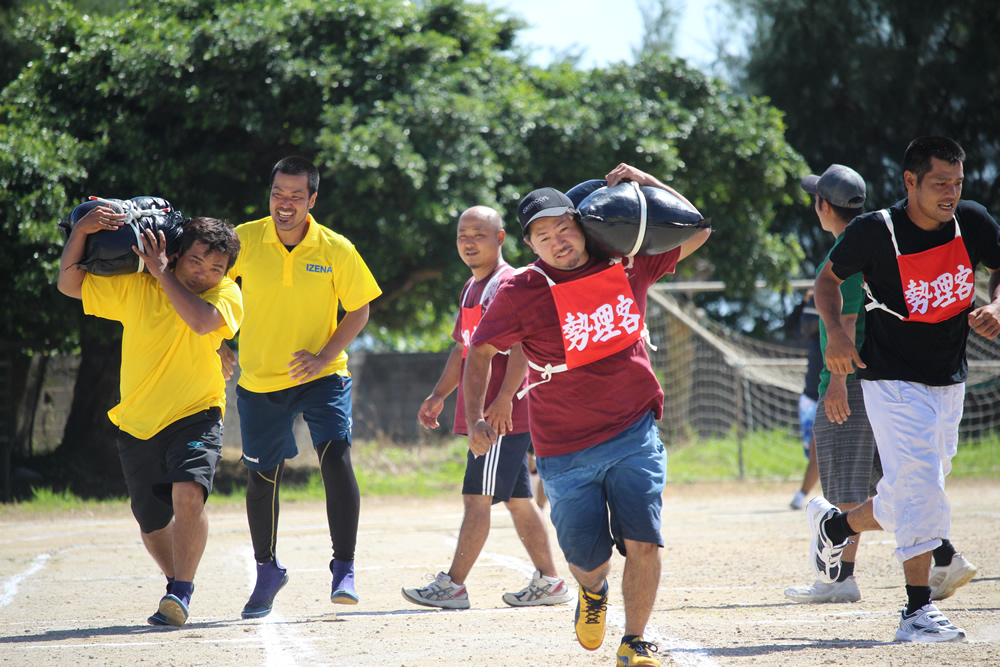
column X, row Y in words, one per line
column 587, row 405
column 473, row 292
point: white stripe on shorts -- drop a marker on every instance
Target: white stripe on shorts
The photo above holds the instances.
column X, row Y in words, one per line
column 490, row 466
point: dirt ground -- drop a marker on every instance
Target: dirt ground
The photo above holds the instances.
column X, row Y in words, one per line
column 76, row 589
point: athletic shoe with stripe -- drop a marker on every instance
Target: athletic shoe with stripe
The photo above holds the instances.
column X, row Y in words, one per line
column 820, row 591
column 157, row 619
column 824, row 555
column 442, row 593
column 173, row 610
column 541, row 590
column 591, row 617
column 947, row 578
column 637, row 652
column 927, row 624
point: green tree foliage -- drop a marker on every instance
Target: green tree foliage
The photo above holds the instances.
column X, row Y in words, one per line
column 413, row 111
column 859, row 79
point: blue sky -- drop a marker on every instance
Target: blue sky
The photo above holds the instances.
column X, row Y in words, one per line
column 608, row 31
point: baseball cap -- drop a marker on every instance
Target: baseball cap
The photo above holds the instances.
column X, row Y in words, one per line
column 839, row 185
column 542, row 203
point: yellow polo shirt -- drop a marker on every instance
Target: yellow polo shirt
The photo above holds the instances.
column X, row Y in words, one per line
column 168, row 371
column 291, row 299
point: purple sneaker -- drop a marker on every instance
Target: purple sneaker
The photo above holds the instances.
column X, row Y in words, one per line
column 342, row 591
column 271, row 578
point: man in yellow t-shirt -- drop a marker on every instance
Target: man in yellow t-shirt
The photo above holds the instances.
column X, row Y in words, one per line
column 172, row 388
column 293, row 361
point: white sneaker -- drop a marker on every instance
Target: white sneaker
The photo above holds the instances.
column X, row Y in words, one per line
column 839, row 591
column 946, row 579
column 541, row 590
column 441, row 593
column 824, row 555
column 927, row 624
column 798, row 500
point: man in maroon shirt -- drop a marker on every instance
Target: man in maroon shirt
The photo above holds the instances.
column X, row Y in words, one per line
column 593, row 399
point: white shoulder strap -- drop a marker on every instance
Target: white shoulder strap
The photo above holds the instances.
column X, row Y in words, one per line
column 874, row 303
column 641, row 236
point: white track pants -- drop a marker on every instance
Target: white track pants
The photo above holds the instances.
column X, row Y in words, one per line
column 916, row 430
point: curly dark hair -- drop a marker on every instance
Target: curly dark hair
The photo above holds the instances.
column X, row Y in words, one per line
column 217, row 234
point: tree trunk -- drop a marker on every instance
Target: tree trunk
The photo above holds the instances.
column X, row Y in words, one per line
column 88, row 456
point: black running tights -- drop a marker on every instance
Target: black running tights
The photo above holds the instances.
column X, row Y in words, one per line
column 343, row 502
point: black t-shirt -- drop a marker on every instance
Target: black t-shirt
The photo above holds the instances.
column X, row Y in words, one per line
column 931, row 354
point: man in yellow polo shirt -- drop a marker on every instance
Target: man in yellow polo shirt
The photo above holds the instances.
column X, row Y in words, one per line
column 173, row 394
column 293, row 361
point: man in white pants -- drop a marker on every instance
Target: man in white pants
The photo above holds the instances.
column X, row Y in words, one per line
column 918, row 258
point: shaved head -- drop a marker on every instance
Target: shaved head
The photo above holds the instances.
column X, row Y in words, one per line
column 483, row 214
column 480, row 237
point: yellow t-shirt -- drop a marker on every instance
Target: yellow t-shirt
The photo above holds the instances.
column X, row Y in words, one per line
column 291, row 299
column 168, row 371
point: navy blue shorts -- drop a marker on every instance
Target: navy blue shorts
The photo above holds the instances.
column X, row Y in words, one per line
column 185, row 451
column 622, row 477
column 266, row 419
column 502, row 472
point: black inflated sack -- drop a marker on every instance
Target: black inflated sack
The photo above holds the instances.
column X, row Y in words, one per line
column 612, row 218
column 109, row 252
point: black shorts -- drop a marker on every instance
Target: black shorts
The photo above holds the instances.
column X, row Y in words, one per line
column 502, row 472
column 184, row 451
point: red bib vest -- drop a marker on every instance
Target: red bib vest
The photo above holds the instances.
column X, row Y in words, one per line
column 937, row 283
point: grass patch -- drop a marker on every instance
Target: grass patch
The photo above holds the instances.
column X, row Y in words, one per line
column 977, row 458
column 430, row 470
column 44, row 499
column 425, row 470
column 777, row 455
column 767, row 456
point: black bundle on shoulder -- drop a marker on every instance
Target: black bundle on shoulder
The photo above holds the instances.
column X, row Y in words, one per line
column 109, row 252
column 629, row 219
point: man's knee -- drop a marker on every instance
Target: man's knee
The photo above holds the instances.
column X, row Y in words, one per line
column 477, row 503
column 188, row 497
column 641, row 549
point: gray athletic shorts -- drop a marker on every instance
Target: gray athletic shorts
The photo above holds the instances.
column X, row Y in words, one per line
column 849, row 465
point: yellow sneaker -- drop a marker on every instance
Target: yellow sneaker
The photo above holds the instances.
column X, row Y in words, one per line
column 637, row 652
column 591, row 617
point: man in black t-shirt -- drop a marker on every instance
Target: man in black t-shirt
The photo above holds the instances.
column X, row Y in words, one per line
column 918, row 258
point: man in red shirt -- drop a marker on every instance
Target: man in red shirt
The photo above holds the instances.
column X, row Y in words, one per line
column 593, row 399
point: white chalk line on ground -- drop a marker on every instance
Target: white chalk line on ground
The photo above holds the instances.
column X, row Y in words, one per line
column 680, row 651
column 12, row 584
column 282, row 642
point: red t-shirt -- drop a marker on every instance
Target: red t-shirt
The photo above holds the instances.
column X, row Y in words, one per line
column 587, row 405
column 473, row 292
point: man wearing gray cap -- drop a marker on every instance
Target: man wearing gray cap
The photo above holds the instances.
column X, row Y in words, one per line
column 918, row 258
column 592, row 404
column 848, row 461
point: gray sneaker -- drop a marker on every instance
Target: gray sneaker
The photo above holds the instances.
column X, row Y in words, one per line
column 824, row 555
column 927, row 624
column 946, row 579
column 541, row 590
column 839, row 591
column 441, row 593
